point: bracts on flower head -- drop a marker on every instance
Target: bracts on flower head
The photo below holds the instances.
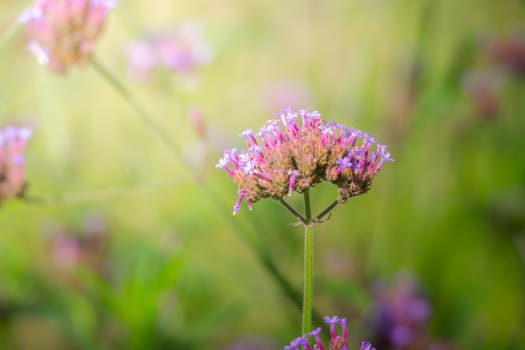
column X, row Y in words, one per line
column 299, row 150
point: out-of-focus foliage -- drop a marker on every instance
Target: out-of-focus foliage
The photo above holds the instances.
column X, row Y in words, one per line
column 441, row 82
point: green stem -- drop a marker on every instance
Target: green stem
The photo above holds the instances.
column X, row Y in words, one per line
column 325, row 212
column 146, row 118
column 292, row 210
column 308, row 266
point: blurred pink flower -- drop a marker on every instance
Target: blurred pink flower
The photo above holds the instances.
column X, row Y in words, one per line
column 141, row 60
column 87, row 246
column 197, row 122
column 63, row 32
column 65, row 250
column 13, row 141
column 181, row 49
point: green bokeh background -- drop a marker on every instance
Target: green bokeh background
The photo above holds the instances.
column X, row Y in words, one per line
column 180, row 271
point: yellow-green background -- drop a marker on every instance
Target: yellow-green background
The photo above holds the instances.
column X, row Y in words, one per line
column 442, row 210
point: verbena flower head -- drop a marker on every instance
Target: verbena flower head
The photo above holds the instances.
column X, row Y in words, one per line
column 64, row 32
column 337, row 341
column 12, row 176
column 298, row 151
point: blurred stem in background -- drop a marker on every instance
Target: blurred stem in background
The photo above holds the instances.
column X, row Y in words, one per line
column 308, row 265
column 9, row 34
column 128, row 97
column 104, row 193
column 260, row 252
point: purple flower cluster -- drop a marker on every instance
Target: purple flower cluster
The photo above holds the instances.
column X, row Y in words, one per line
column 401, row 315
column 63, row 32
column 337, row 342
column 13, row 141
column 298, row 151
column 181, row 49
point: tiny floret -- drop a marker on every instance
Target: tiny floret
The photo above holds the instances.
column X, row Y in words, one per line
column 366, row 346
column 298, row 150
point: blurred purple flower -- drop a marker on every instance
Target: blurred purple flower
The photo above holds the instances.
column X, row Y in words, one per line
column 181, row 49
column 336, row 342
column 64, row 32
column 483, row 86
column 508, row 52
column 401, row 314
column 13, row 141
column 299, row 150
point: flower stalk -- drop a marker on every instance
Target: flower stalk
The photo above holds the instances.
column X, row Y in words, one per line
column 308, row 266
column 302, row 220
column 325, row 212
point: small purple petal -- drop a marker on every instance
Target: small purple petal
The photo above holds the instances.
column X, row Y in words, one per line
column 331, row 320
column 366, row 346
